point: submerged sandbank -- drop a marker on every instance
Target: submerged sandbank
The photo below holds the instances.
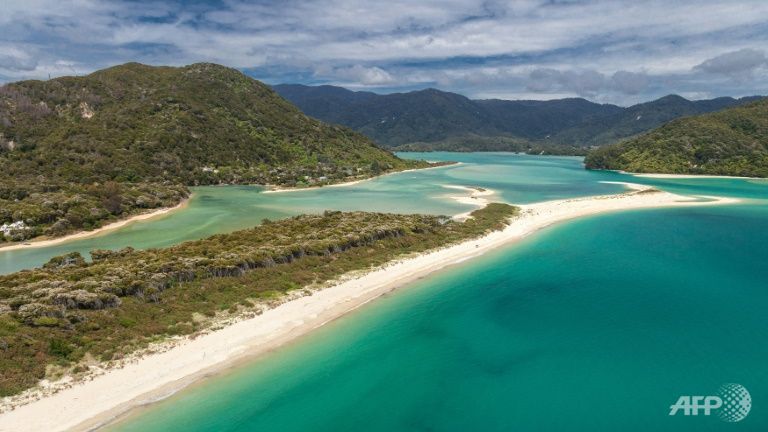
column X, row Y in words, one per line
column 478, row 197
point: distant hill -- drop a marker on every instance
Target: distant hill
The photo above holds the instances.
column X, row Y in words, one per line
column 432, row 119
column 640, row 118
column 541, row 120
column 325, row 102
column 432, row 115
column 76, row 151
column 394, row 119
column 732, row 142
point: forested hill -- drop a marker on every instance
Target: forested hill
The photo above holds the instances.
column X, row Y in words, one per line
column 436, row 120
column 640, row 118
column 432, row 115
column 76, row 151
column 730, row 142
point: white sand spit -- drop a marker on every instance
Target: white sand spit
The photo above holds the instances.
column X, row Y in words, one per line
column 86, row 234
column 85, row 405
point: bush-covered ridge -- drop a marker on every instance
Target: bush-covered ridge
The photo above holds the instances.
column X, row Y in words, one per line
column 730, row 142
column 151, row 131
column 126, row 299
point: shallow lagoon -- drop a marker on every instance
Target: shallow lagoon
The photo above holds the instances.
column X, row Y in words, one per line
column 217, row 209
column 516, row 178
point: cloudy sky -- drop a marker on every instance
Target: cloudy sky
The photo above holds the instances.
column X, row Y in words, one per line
column 618, row 51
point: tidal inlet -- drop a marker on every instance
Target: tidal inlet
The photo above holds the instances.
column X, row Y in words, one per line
column 344, row 216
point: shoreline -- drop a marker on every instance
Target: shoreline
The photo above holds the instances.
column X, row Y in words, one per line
column 43, row 242
column 278, row 189
column 478, row 197
column 688, row 176
column 676, row 176
column 94, row 403
column 98, row 231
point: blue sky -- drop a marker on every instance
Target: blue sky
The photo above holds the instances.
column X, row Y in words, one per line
column 616, row 51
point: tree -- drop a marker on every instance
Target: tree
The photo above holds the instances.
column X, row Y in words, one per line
column 112, row 199
column 375, row 167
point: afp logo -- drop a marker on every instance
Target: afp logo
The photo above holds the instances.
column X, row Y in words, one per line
column 732, row 404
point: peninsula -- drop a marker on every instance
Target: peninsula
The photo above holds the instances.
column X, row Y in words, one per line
column 394, row 251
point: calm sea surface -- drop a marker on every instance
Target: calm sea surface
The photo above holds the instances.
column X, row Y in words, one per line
column 596, row 324
column 517, row 179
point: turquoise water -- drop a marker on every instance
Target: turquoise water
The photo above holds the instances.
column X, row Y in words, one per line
column 526, row 179
column 598, row 324
column 517, row 179
column 219, row 209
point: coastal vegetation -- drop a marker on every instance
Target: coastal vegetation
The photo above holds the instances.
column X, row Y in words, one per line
column 70, row 313
column 476, row 143
column 77, row 152
column 731, row 142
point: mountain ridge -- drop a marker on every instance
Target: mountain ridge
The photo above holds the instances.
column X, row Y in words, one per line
column 569, row 123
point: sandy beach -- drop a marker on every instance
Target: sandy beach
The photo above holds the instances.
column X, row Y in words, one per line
column 98, row 231
column 477, row 197
column 278, row 189
column 691, row 176
column 86, row 405
column 281, row 189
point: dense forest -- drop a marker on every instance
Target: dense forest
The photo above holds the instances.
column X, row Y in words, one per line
column 53, row 319
column 477, row 143
column 731, row 142
column 76, row 152
column 431, row 119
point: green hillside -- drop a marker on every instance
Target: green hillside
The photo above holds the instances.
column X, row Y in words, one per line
column 78, row 151
column 731, row 142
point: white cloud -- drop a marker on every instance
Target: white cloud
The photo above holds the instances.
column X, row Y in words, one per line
column 630, row 83
column 599, row 49
column 357, row 74
column 586, row 82
column 16, row 60
column 743, row 61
